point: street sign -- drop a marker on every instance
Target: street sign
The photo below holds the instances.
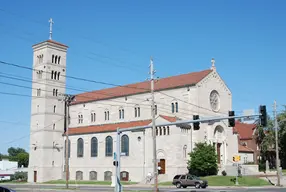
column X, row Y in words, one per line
column 236, row 158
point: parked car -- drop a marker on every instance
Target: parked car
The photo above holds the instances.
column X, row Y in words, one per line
column 186, row 180
column 4, row 189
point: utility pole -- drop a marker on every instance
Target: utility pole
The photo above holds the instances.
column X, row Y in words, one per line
column 276, row 142
column 68, row 99
column 152, row 72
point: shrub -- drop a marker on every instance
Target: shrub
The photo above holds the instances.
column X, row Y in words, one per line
column 223, row 173
column 22, row 176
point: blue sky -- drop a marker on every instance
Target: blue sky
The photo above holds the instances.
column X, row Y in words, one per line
column 112, row 41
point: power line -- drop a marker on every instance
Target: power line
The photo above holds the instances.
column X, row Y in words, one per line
column 106, row 83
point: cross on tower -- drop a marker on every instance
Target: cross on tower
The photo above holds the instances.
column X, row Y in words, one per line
column 51, row 27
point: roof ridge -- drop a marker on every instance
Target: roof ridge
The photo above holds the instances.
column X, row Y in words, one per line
column 181, row 80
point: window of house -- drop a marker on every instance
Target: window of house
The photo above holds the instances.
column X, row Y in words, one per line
column 125, row 145
column 155, row 109
column 93, row 117
column 121, row 113
column 94, row 147
column 175, row 107
column 108, row 146
column 137, row 111
column 80, row 147
column 55, row 92
column 38, row 92
column 106, row 115
column 80, row 118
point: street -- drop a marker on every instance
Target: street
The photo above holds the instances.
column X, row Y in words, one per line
column 54, row 188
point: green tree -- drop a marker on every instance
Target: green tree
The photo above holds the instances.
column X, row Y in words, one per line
column 2, row 156
column 203, row 160
column 13, row 152
column 23, row 159
column 20, row 155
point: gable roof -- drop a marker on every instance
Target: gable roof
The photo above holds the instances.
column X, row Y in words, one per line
column 245, row 130
column 242, row 148
column 189, row 79
column 113, row 126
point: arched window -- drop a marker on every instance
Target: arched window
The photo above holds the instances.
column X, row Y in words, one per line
column 59, row 75
column 107, row 175
column 55, row 75
column 164, row 130
column 69, row 148
column 80, row 147
column 53, row 58
column 108, row 146
column 124, row 176
column 94, row 147
column 79, row 175
column 177, row 107
column 59, row 60
column 125, row 145
column 56, row 59
column 52, row 75
column 80, row 118
column 173, row 108
column 93, row 175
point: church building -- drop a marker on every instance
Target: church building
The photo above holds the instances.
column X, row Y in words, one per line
column 95, row 117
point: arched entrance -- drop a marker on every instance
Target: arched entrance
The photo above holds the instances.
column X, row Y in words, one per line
column 218, row 142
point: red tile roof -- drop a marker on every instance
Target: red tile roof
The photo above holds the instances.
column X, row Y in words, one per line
column 52, row 41
column 188, row 79
column 244, row 130
column 242, row 148
column 170, row 119
column 113, row 127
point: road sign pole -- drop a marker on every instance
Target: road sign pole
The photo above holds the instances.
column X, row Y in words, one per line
column 118, row 156
column 236, row 180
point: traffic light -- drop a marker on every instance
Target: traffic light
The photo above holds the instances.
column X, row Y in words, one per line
column 231, row 122
column 196, row 124
column 115, row 163
column 263, row 115
column 234, row 158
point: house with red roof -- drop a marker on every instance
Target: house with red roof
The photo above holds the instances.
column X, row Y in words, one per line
column 247, row 146
column 95, row 116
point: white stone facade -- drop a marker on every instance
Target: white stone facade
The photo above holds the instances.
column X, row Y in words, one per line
column 47, row 112
column 172, row 147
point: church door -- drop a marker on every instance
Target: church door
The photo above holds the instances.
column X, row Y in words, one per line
column 162, row 164
column 35, row 176
column 218, row 152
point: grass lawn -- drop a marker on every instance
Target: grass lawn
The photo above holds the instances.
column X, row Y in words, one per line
column 229, row 181
column 87, row 182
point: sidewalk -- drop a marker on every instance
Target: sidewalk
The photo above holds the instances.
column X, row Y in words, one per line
column 133, row 186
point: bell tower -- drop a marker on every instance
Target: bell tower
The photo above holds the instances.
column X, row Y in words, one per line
column 47, row 111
